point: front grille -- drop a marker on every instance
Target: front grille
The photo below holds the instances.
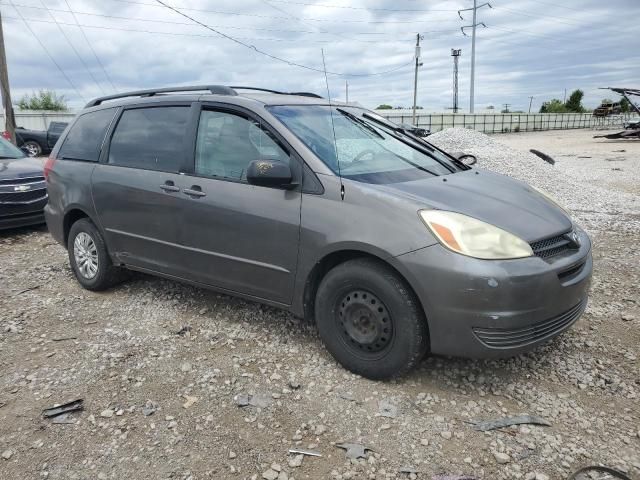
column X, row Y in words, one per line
column 550, row 247
column 23, row 197
column 520, row 337
column 19, row 181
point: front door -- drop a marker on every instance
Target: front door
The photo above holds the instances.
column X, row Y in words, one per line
column 237, row 236
column 137, row 190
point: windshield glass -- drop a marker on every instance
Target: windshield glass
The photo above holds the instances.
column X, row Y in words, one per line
column 8, row 150
column 363, row 150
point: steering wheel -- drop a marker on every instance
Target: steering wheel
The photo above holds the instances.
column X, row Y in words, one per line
column 358, row 158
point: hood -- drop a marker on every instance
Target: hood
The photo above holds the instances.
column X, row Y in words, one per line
column 11, row 168
column 493, row 198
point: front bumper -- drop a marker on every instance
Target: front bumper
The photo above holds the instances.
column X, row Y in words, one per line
column 483, row 309
column 14, row 216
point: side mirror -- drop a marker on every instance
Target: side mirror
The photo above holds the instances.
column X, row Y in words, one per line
column 465, row 158
column 269, row 173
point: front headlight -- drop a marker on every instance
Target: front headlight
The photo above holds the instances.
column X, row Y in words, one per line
column 550, row 198
column 474, row 238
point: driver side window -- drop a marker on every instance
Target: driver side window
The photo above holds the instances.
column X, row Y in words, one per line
column 227, row 143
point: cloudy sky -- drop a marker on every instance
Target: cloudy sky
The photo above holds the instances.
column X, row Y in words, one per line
column 86, row 48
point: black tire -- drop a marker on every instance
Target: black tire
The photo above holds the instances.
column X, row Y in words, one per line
column 34, row 148
column 370, row 320
column 106, row 274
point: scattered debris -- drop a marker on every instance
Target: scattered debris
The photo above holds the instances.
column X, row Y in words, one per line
column 408, row 469
column 302, row 451
column 487, row 425
column 189, row 401
column 65, row 408
column 35, row 287
column 584, row 156
column 149, row 408
column 354, row 450
column 64, row 419
column 543, row 156
column 258, row 400
column 452, row 477
column 387, row 409
column 62, row 339
column 184, row 330
column 587, row 472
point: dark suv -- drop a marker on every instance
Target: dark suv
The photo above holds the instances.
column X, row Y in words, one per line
column 394, row 247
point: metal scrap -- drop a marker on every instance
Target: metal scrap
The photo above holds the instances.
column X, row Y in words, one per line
column 354, row 450
column 485, row 426
column 543, row 156
column 65, row 408
column 302, row 451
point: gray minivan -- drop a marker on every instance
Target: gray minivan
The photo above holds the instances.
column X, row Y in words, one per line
column 394, row 247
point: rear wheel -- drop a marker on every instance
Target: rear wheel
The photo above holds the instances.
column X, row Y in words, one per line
column 89, row 257
column 370, row 320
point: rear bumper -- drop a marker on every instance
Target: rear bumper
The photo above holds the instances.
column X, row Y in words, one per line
column 484, row 309
column 14, row 216
column 54, row 223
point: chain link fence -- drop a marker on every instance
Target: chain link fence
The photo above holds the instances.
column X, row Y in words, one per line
column 506, row 122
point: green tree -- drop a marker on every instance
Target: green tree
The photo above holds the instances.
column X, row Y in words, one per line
column 553, row 106
column 574, row 104
column 384, row 106
column 43, row 100
column 625, row 107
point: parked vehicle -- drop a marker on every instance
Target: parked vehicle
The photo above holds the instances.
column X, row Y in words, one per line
column 392, row 246
column 38, row 142
column 23, row 192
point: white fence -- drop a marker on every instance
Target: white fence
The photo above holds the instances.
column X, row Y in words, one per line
column 37, row 120
column 505, row 122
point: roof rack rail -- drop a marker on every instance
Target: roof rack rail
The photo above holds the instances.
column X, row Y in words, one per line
column 215, row 89
column 257, row 89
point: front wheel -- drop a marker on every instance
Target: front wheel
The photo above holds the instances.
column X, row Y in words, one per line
column 370, row 320
column 89, row 257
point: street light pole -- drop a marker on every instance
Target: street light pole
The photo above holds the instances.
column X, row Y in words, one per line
column 415, row 80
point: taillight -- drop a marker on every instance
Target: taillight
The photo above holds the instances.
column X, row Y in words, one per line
column 48, row 166
column 6, row 135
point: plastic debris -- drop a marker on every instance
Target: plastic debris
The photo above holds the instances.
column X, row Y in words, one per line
column 302, row 451
column 485, row 426
column 65, row 408
column 354, row 450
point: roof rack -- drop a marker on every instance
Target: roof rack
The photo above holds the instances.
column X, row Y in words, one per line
column 215, row 89
column 301, row 94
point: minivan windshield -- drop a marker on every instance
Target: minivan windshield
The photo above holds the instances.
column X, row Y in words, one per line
column 363, row 150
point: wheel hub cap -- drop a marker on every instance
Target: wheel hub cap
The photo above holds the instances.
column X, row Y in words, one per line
column 364, row 321
column 85, row 253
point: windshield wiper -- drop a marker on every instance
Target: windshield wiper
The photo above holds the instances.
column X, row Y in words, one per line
column 360, row 122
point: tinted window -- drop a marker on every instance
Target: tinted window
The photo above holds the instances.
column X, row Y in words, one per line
column 8, row 150
column 86, row 136
column 227, row 143
column 150, row 138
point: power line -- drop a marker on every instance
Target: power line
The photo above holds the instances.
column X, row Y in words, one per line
column 274, row 57
column 48, row 54
column 104, row 70
column 271, row 17
column 408, row 10
column 536, row 15
column 86, row 67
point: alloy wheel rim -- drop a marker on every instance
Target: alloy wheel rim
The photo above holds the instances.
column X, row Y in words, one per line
column 85, row 253
column 364, row 322
column 32, row 149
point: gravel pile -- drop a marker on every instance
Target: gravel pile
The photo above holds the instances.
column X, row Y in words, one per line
column 595, row 207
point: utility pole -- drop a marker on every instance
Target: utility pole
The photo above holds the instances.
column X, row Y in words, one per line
column 9, row 119
column 346, row 87
column 530, row 102
column 473, row 44
column 506, row 107
column 456, row 55
column 415, row 80
column 565, row 96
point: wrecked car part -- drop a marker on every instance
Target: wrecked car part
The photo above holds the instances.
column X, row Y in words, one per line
column 485, row 426
column 65, row 408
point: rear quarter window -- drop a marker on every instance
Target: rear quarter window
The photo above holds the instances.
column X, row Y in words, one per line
column 84, row 140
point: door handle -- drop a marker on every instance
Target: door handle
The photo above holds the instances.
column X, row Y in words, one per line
column 169, row 186
column 194, row 191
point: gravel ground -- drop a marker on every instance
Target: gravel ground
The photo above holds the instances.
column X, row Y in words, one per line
column 162, row 367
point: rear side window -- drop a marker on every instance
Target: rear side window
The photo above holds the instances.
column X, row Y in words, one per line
column 150, row 138
column 85, row 138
